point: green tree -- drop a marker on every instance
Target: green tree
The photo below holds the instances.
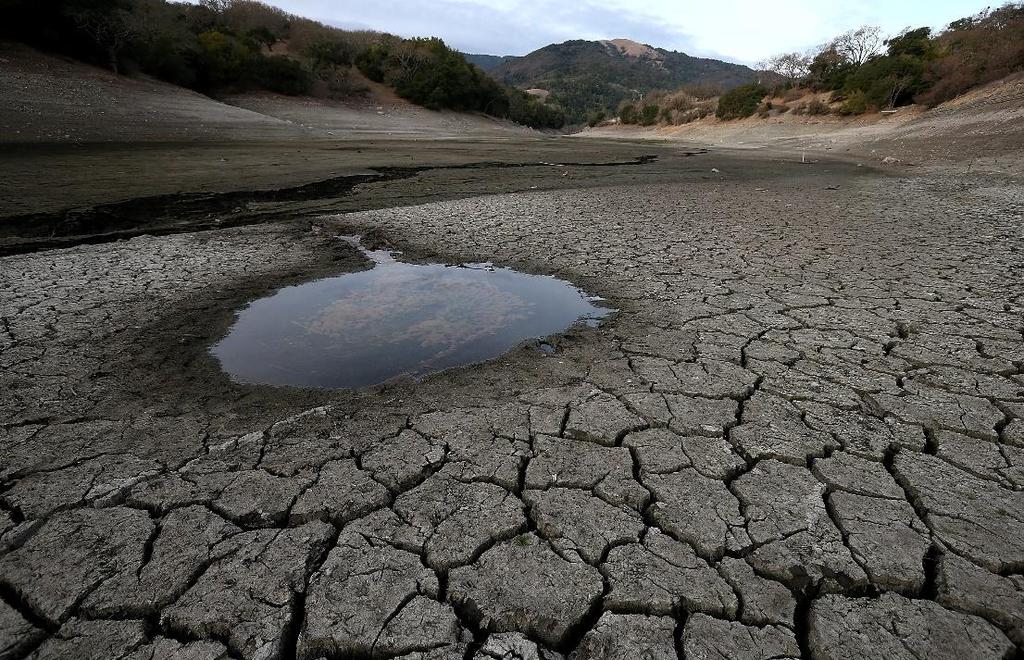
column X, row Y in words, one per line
column 326, row 55
column 428, row 73
column 740, row 102
column 896, row 77
column 262, row 37
column 109, row 25
column 915, row 44
column 224, row 59
column 829, row 69
column 283, row 75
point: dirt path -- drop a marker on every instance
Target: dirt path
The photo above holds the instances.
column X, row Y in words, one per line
column 805, row 421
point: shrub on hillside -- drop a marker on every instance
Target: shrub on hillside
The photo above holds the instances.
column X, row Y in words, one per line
column 649, row 114
column 699, row 110
column 829, row 69
column 342, row 84
column 226, row 62
column 628, row 114
column 817, row 107
column 793, row 94
column 740, row 102
column 894, row 79
column 304, row 34
column 327, row 55
column 854, row 104
column 169, row 57
column 679, row 101
column 429, row 73
column 701, row 92
column 974, row 51
column 530, row 111
column 261, row 21
column 223, row 60
column 283, row 75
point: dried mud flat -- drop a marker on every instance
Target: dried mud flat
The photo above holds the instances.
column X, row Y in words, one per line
column 801, row 437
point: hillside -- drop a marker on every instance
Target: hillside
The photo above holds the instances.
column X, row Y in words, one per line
column 596, row 76
column 487, row 62
column 228, row 47
column 982, row 130
column 56, row 99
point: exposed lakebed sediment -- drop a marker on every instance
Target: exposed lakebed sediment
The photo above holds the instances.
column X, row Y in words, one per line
column 804, row 421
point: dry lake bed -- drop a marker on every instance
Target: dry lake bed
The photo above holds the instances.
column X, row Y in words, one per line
column 799, row 435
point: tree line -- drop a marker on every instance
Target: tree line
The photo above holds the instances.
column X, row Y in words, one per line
column 221, row 46
column 861, row 70
column 429, row 73
column 865, row 70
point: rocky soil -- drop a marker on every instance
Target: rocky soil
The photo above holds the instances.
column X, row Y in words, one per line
column 802, row 436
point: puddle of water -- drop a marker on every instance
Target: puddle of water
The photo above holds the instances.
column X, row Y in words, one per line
column 365, row 328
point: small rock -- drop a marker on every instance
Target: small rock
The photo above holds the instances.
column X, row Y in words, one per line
column 514, row 646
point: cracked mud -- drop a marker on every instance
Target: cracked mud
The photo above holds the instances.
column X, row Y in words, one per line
column 801, row 437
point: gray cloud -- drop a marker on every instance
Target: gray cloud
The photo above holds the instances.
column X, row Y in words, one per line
column 504, row 29
column 736, row 30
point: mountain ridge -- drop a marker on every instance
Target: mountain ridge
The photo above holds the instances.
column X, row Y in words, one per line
column 486, row 62
column 589, row 77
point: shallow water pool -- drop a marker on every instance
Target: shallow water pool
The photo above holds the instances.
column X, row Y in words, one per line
column 397, row 318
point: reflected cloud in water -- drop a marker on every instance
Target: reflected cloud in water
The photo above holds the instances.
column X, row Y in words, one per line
column 364, row 328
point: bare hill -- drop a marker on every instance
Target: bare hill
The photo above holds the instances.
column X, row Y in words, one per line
column 631, row 48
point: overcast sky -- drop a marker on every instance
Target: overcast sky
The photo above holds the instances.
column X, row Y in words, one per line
column 738, row 30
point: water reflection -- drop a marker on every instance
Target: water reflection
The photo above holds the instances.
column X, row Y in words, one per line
column 364, row 328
